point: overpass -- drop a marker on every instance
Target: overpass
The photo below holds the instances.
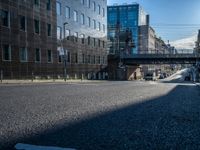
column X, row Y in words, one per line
column 160, row 59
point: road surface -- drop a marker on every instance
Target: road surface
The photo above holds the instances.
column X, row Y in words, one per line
column 101, row 116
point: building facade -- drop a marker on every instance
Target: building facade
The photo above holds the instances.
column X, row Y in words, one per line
column 34, row 34
column 122, row 18
column 82, row 36
column 28, row 38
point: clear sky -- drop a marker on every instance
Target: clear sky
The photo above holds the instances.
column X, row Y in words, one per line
column 171, row 19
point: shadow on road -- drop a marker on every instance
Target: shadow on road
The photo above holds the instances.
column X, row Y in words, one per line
column 170, row 121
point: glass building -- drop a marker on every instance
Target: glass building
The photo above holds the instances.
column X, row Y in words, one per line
column 123, row 18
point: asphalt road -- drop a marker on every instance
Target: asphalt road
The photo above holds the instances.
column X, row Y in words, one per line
column 101, row 116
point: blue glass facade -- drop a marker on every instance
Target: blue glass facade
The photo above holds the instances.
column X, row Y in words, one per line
column 123, row 17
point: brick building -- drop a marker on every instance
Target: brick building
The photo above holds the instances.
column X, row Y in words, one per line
column 32, row 31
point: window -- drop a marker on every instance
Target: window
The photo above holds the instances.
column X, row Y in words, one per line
column 99, row 26
column 83, row 58
column 59, row 57
column 22, row 23
column 5, row 18
column 93, row 6
column 99, row 59
column 88, row 21
column 94, row 24
column 49, row 56
column 37, row 26
column 99, row 43
column 67, row 12
column 76, row 58
column 59, row 35
column 99, row 9
column 37, row 2
column 75, row 16
column 6, row 53
column 88, row 3
column 103, row 11
column 89, row 58
column 94, row 59
column 68, row 57
column 82, row 19
column 58, row 8
column 49, row 29
column 23, row 54
column 48, row 4
column 67, row 34
column 76, row 36
column 94, row 42
column 82, row 2
column 37, row 55
column 103, row 44
column 88, row 40
column 104, row 28
column 82, row 38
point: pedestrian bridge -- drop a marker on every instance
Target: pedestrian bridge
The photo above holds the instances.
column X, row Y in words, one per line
column 160, row 59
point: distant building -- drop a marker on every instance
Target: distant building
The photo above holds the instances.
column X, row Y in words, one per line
column 122, row 18
column 197, row 44
column 147, row 40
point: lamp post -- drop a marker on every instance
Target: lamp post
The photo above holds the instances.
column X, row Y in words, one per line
column 65, row 55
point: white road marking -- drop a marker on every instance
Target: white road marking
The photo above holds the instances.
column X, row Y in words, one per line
column 21, row 146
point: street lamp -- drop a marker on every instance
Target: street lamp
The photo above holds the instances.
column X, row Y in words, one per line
column 65, row 55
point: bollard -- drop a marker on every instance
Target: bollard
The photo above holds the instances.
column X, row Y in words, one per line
column 1, row 76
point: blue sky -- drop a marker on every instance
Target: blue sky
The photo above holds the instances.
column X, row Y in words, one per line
column 172, row 19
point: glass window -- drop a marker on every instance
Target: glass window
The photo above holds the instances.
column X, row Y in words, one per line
column 103, row 11
column 49, row 56
column 94, row 42
column 75, row 16
column 5, row 18
column 99, row 9
column 37, row 55
column 88, row 40
column 93, row 6
column 94, row 24
column 68, row 57
column 48, row 4
column 37, row 26
column 94, row 59
column 22, row 23
column 89, row 59
column 99, row 26
column 76, row 58
column 37, row 2
column 67, row 12
column 82, row 19
column 82, row 2
column 59, row 35
column 6, row 53
column 83, row 58
column 58, row 8
column 88, row 21
column 82, row 36
column 99, row 59
column 104, row 28
column 23, row 54
column 99, row 43
column 49, row 29
column 67, row 34
column 88, row 3
column 76, row 36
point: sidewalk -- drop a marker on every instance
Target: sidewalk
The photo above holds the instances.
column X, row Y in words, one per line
column 48, row 81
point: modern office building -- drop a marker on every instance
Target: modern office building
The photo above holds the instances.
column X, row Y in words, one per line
column 197, row 43
column 28, row 38
column 35, row 33
column 122, row 18
column 82, row 36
